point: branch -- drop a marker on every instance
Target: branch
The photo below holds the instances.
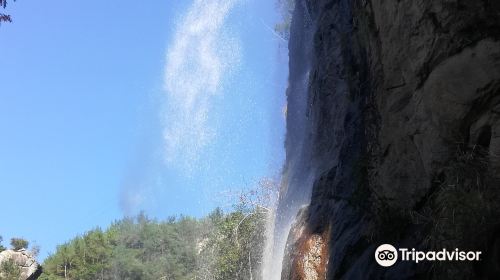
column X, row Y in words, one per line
column 238, row 226
column 5, row 18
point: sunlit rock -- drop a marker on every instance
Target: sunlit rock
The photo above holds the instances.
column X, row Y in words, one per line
column 27, row 266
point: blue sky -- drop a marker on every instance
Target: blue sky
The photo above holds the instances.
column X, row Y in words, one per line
column 108, row 109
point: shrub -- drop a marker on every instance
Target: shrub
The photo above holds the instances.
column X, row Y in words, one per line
column 9, row 270
column 19, row 243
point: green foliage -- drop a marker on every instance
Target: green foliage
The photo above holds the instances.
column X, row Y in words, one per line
column 232, row 247
column 19, row 243
column 9, row 270
column 220, row 246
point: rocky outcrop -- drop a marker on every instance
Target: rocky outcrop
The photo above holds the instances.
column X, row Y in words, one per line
column 28, row 267
column 400, row 96
column 306, row 257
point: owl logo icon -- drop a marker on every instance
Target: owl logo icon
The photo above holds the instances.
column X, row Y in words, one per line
column 386, row 255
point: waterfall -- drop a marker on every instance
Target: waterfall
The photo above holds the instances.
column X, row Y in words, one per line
column 299, row 171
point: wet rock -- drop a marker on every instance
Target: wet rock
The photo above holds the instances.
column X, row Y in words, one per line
column 306, row 255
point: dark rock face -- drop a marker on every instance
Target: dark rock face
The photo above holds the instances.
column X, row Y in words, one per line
column 394, row 89
column 440, row 67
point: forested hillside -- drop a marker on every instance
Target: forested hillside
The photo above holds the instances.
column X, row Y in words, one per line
column 219, row 246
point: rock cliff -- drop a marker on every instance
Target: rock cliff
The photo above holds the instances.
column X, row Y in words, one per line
column 25, row 264
column 397, row 131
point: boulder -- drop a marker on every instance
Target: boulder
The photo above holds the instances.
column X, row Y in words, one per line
column 29, row 267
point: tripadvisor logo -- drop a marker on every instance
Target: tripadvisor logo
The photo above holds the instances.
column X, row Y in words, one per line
column 387, row 255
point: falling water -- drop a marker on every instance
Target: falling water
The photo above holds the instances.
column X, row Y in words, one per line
column 298, row 170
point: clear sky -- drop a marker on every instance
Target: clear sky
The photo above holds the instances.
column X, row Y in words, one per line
column 114, row 107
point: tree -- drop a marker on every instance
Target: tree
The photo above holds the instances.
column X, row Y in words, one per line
column 222, row 246
column 19, row 243
column 232, row 244
column 9, row 270
column 4, row 17
column 35, row 250
column 263, row 196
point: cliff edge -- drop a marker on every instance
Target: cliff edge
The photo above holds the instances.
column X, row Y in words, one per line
column 402, row 126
